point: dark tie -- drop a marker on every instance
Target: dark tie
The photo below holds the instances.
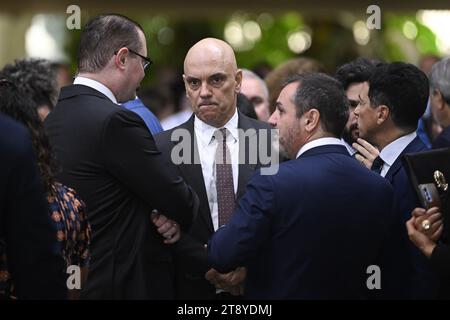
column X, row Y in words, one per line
column 377, row 165
column 224, row 178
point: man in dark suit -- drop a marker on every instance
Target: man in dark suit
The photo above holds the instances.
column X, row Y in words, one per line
column 25, row 230
column 109, row 156
column 391, row 104
column 312, row 230
column 212, row 83
column 440, row 101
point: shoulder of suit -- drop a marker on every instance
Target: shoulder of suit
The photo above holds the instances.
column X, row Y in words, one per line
column 254, row 123
column 14, row 135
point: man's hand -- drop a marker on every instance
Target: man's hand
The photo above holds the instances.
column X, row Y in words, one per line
column 231, row 282
column 169, row 229
column 366, row 152
column 424, row 235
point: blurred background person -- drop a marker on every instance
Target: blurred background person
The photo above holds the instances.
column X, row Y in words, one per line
column 255, row 89
column 64, row 76
column 281, row 73
column 245, row 106
column 440, row 101
column 151, row 121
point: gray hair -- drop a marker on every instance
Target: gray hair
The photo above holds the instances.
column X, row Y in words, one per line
column 250, row 74
column 440, row 78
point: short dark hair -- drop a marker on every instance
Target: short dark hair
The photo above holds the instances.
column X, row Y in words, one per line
column 102, row 36
column 403, row 88
column 356, row 71
column 326, row 94
column 36, row 78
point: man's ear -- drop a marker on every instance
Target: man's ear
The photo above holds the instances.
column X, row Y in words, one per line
column 311, row 119
column 121, row 58
column 238, row 78
column 383, row 113
column 438, row 99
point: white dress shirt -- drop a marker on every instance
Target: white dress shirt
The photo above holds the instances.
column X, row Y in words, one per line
column 317, row 143
column 207, row 150
column 391, row 152
column 97, row 86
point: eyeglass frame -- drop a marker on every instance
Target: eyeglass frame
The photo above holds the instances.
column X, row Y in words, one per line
column 147, row 60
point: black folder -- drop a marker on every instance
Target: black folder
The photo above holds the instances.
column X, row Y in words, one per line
column 429, row 173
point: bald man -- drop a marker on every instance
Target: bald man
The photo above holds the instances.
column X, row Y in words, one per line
column 219, row 164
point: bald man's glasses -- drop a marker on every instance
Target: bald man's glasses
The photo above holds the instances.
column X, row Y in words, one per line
column 146, row 62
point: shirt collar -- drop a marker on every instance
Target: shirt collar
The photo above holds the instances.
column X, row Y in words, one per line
column 350, row 149
column 207, row 131
column 317, row 143
column 391, row 152
column 97, row 86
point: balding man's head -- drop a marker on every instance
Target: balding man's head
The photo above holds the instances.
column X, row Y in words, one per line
column 212, row 81
column 211, row 49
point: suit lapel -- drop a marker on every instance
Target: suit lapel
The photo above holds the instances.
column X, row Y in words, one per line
column 414, row 146
column 245, row 169
column 193, row 175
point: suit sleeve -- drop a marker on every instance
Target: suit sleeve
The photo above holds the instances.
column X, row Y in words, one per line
column 440, row 260
column 132, row 157
column 238, row 242
column 37, row 269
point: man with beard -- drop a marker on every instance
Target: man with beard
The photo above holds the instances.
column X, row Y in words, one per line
column 311, row 230
column 352, row 75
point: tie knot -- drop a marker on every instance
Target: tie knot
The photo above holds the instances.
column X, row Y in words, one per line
column 221, row 134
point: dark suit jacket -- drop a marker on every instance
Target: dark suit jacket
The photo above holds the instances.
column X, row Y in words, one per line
column 406, row 272
column 443, row 140
column 308, row 232
column 25, row 229
column 109, row 156
column 192, row 256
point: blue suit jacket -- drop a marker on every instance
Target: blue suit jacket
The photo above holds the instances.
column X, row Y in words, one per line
column 308, row 232
column 406, row 272
column 151, row 121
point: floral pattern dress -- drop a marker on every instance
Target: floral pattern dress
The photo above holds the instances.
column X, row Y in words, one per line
column 72, row 232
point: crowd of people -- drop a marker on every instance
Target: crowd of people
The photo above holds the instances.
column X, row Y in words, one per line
column 289, row 185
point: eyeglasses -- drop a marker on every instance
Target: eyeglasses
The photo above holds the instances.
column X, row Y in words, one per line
column 146, row 62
